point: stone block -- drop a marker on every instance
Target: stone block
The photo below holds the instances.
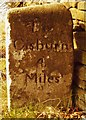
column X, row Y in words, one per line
column 81, row 105
column 81, row 93
column 39, row 54
column 80, row 38
column 80, row 56
column 81, row 98
column 81, row 5
column 80, row 72
column 68, row 5
column 78, row 14
column 82, row 25
column 80, row 83
column 79, row 25
column 80, row 76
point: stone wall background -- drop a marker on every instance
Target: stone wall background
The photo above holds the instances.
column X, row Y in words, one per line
column 79, row 35
column 78, row 11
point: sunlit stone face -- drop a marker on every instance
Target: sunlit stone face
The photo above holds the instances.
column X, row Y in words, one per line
column 40, row 54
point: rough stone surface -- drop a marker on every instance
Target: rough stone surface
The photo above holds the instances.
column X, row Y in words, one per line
column 79, row 25
column 82, row 25
column 81, row 98
column 76, row 26
column 68, row 5
column 80, row 83
column 80, row 76
column 81, row 105
column 81, row 5
column 80, row 56
column 81, row 93
column 78, row 14
column 81, row 72
column 80, row 38
column 40, row 55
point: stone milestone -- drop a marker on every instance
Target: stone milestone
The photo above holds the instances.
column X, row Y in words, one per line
column 39, row 55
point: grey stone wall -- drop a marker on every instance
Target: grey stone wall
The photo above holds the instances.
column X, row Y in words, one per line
column 78, row 11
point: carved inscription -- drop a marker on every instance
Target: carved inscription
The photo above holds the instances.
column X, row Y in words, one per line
column 39, row 76
column 55, row 46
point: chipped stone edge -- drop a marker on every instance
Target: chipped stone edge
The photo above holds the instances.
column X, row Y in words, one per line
column 8, row 79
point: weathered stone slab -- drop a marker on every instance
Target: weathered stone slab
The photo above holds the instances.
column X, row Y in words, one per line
column 80, row 56
column 80, row 38
column 78, row 14
column 40, row 54
column 81, row 5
